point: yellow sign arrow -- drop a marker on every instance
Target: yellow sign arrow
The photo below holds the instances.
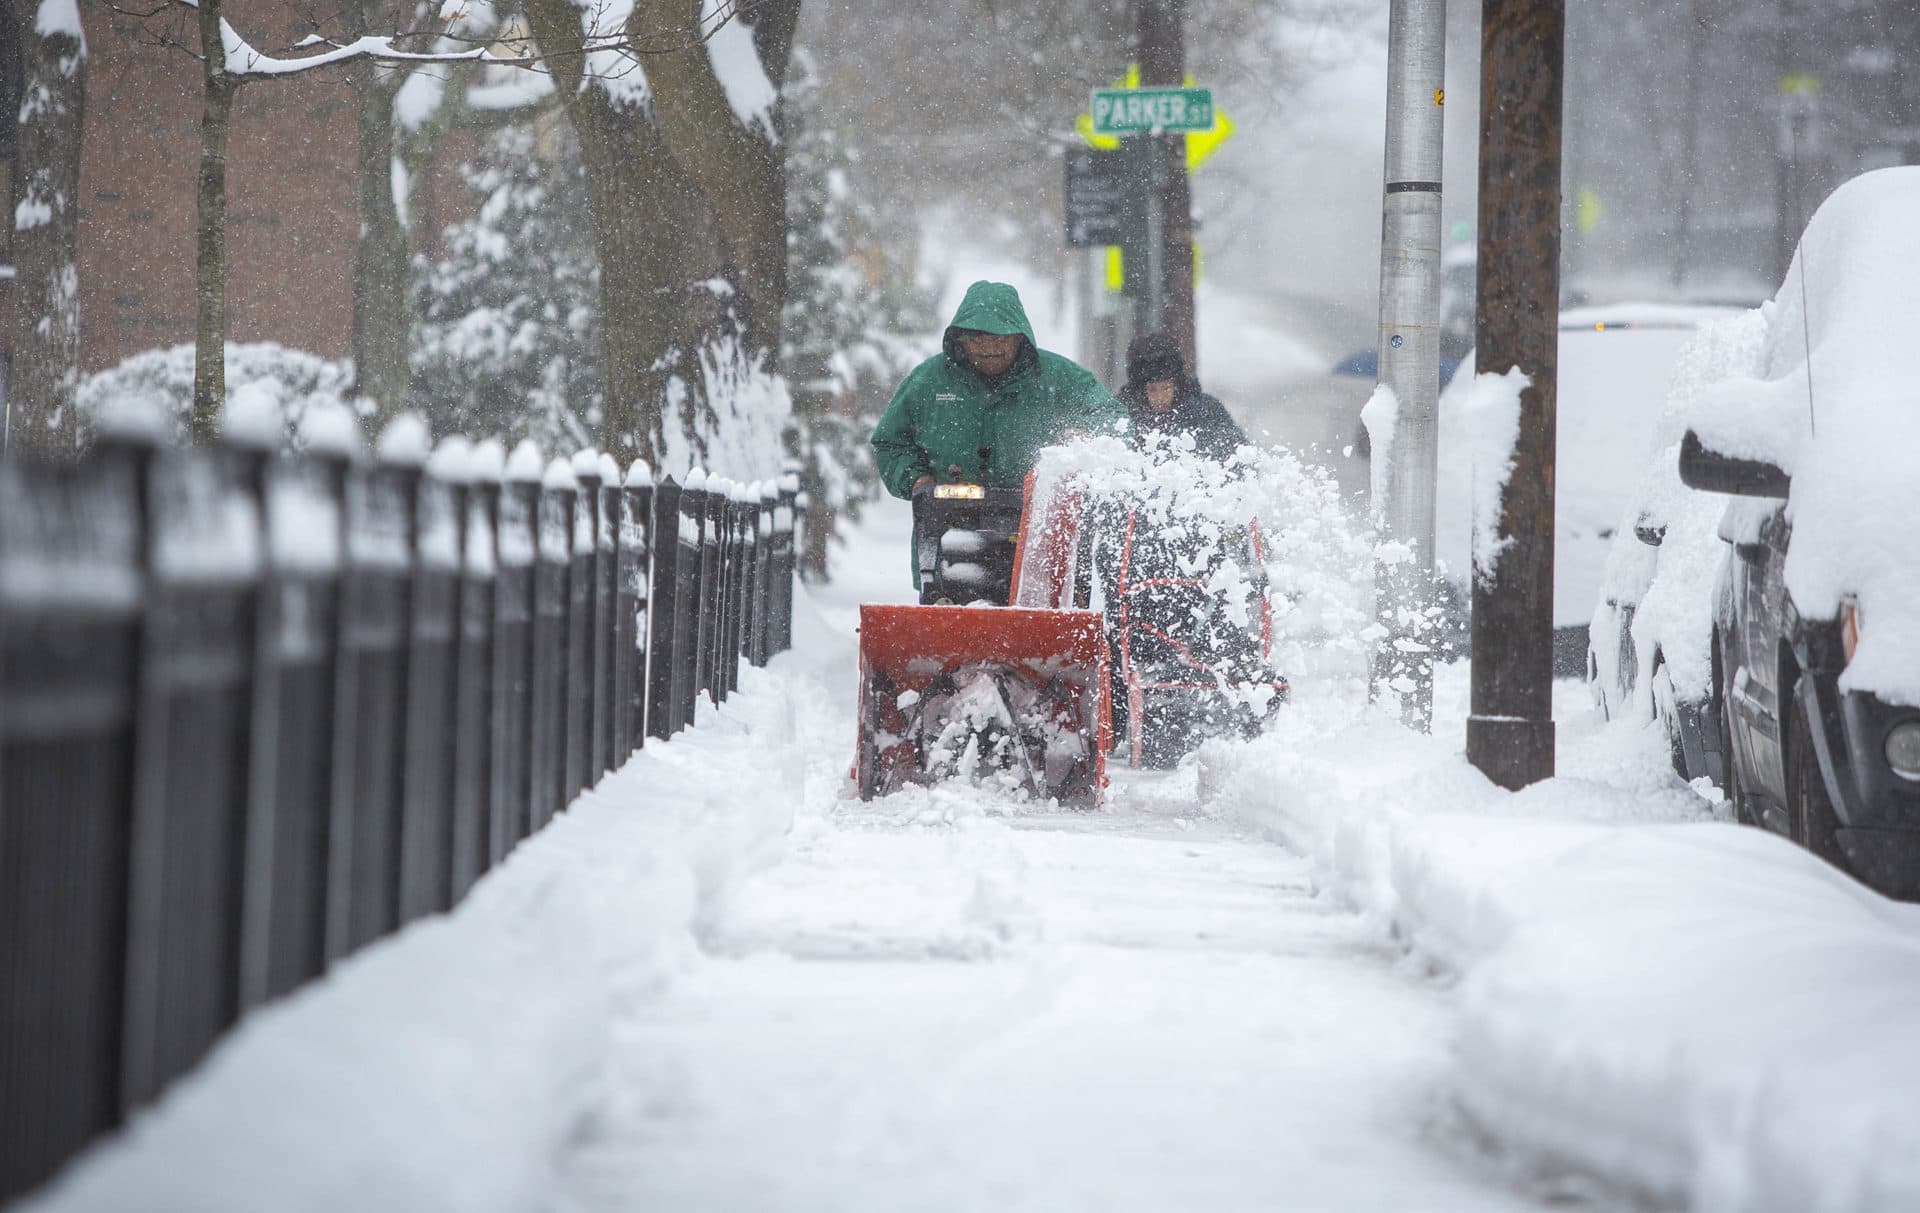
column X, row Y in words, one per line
column 1201, row 145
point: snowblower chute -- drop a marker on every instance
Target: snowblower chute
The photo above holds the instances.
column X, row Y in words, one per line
column 1013, row 696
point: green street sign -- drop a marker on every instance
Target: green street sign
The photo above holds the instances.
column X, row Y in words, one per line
column 1135, row 111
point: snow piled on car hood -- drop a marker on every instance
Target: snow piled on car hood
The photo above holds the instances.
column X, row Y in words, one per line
column 1839, row 409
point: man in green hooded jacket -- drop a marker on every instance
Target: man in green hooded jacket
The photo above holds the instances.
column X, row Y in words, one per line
column 990, row 388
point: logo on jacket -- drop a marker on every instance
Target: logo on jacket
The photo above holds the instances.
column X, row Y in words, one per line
column 946, row 395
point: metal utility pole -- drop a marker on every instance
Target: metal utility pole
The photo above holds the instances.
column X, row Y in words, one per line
column 1522, row 60
column 1168, row 302
column 1409, row 343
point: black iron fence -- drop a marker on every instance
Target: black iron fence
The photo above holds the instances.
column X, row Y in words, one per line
column 259, row 710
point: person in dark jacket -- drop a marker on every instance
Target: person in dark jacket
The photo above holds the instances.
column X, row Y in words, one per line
column 1163, row 398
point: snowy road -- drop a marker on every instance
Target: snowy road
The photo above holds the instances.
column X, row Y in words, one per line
column 1134, row 1011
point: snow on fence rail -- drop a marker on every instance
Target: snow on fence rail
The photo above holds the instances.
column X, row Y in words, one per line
column 258, row 710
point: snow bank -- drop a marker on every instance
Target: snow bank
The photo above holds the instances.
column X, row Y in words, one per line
column 1700, row 1012
column 449, row 1067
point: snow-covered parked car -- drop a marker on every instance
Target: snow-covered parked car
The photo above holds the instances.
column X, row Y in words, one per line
column 1614, row 366
column 1650, row 639
column 1816, row 638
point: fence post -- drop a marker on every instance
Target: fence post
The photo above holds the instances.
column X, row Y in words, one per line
column 70, row 595
column 764, row 572
column 736, row 584
column 295, row 717
column 689, row 604
column 364, row 878
column 713, row 550
column 517, row 537
column 663, row 608
column 584, row 651
column 607, row 752
column 785, row 528
column 190, row 765
column 255, row 447
column 433, row 626
column 551, row 610
column 750, row 573
column 476, row 723
column 633, row 637
column 720, row 539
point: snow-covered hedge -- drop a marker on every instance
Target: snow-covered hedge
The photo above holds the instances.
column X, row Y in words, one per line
column 160, row 382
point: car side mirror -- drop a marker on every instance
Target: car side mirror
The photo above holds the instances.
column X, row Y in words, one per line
column 1741, row 530
column 1714, row 472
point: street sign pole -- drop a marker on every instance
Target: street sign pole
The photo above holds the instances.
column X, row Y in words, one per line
column 1162, row 35
column 1522, row 61
column 1409, row 350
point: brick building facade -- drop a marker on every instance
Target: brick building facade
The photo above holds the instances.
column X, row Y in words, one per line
column 292, row 197
column 292, row 192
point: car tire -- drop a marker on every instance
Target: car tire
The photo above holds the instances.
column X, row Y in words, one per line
column 1815, row 825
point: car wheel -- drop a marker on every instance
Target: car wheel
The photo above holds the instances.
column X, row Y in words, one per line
column 1816, row 826
column 1734, row 786
column 1666, row 711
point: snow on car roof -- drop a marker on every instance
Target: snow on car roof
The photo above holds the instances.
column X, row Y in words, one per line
column 1837, row 409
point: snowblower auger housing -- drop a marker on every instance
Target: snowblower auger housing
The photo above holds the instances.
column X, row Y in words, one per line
column 1012, row 695
column 1015, row 696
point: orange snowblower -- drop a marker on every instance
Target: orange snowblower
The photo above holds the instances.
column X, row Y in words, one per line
column 965, row 686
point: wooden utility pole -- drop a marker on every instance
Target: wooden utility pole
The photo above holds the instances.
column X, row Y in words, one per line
column 1522, row 52
column 1168, row 306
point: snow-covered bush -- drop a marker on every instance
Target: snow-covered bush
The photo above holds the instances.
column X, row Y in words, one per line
column 259, row 374
column 507, row 337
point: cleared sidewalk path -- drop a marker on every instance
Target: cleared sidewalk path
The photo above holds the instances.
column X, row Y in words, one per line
column 920, row 1007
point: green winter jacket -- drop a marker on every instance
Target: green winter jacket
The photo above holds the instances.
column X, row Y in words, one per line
column 944, row 412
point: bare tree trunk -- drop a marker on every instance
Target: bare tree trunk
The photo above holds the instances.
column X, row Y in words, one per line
column 382, row 317
column 740, row 168
column 46, row 214
column 210, row 286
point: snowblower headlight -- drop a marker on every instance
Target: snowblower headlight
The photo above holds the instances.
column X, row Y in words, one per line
column 960, row 492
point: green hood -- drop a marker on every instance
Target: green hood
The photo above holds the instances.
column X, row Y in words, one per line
column 990, row 307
